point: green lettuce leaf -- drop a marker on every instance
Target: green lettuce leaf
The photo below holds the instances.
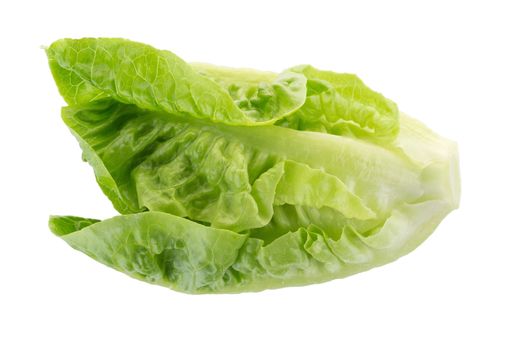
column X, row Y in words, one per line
column 342, row 104
column 334, row 103
column 233, row 180
column 231, row 176
column 262, row 95
column 186, row 256
column 91, row 69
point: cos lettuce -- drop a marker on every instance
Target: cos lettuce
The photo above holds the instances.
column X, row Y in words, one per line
column 232, row 180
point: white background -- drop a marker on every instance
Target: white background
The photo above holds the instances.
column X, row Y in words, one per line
column 457, row 66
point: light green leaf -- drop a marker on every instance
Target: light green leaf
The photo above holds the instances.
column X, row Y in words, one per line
column 91, row 69
column 226, row 177
column 158, row 248
column 261, row 95
column 342, row 104
column 167, row 250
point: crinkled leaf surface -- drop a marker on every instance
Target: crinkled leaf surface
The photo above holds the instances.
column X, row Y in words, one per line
column 263, row 95
column 342, row 104
column 238, row 180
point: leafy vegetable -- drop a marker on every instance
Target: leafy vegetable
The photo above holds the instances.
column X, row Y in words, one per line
column 232, row 180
